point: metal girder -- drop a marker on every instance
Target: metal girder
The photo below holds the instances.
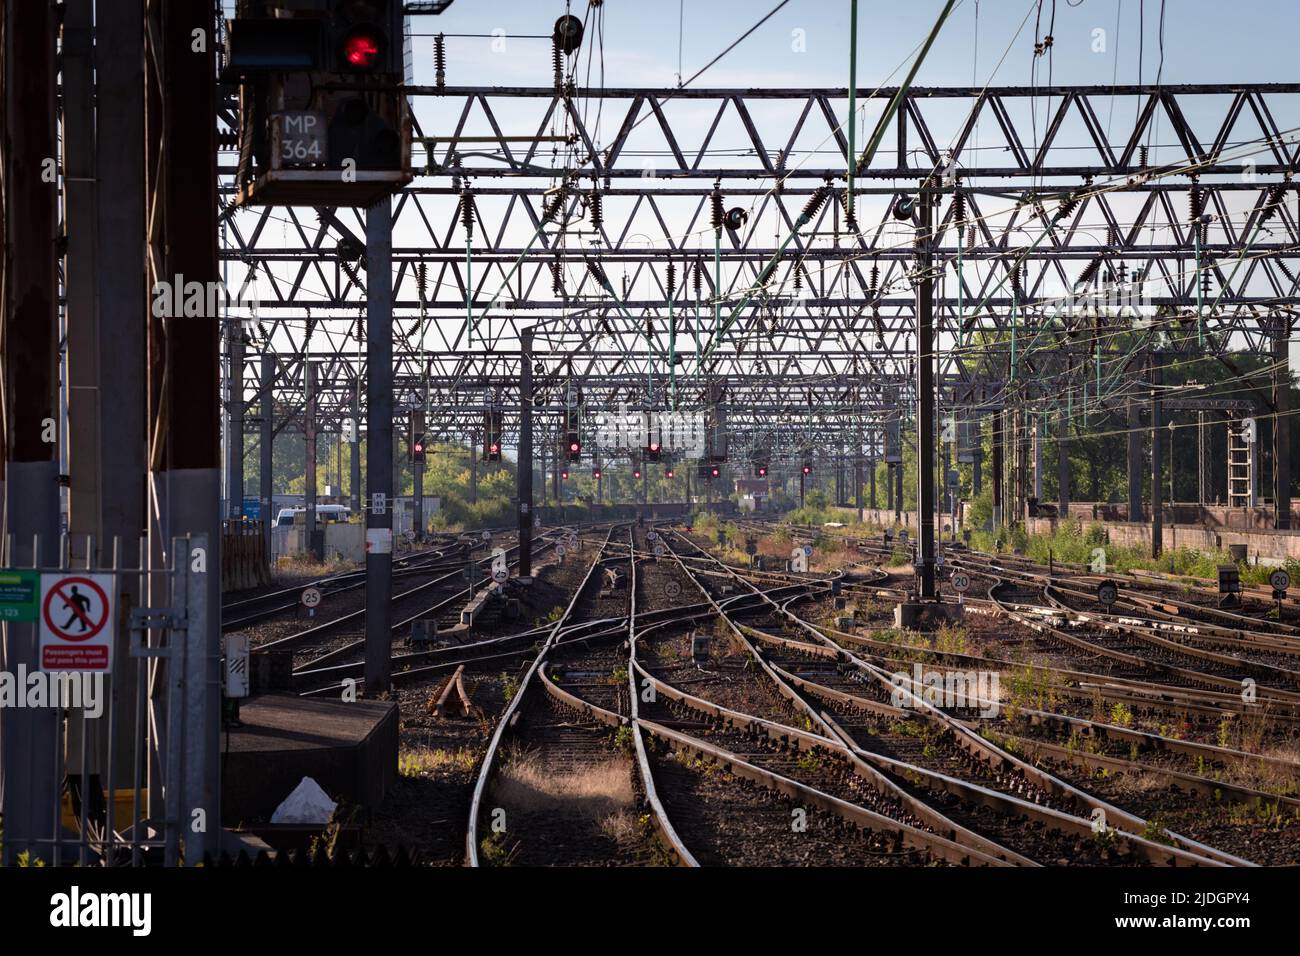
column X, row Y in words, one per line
column 1031, row 234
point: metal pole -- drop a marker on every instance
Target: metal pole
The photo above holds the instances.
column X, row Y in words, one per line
column 379, row 447
column 473, row 469
column 925, row 516
column 524, row 467
column 185, row 385
column 265, row 476
column 31, row 771
column 1281, row 425
column 1157, row 491
column 120, row 291
column 418, row 469
column 1134, row 461
column 234, row 419
column 853, row 104
column 1200, row 459
column 1063, row 464
column 1039, row 435
column 999, row 435
column 309, row 441
column 354, row 485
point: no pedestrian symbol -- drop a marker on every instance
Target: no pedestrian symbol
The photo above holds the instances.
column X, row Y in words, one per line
column 76, row 622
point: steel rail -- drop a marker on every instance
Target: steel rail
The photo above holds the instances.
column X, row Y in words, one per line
column 1192, row 851
column 488, row 765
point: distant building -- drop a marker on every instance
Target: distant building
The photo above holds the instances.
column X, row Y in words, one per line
column 753, row 493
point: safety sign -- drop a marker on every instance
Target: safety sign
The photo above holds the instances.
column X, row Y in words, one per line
column 76, row 625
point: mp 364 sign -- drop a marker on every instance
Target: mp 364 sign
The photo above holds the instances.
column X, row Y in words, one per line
column 76, row 622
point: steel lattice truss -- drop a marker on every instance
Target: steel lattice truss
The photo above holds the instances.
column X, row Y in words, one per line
column 1046, row 193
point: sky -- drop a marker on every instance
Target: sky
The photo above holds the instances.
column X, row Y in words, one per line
column 1202, row 45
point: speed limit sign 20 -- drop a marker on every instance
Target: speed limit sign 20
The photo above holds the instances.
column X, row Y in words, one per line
column 960, row 582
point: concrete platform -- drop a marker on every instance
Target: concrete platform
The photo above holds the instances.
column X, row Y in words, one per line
column 349, row 749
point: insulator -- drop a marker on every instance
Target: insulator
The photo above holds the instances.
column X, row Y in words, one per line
column 850, row 215
column 970, row 237
column 875, row 275
column 467, row 210
column 597, row 209
column 1142, row 157
column 557, row 277
column 1285, row 271
column 1015, row 281
column 1067, row 206
column 440, row 60
column 1089, row 271
column 798, row 280
column 421, row 278
column 697, row 278
column 715, row 209
column 1112, row 237
column 672, row 279
column 552, row 208
column 1272, row 203
column 597, row 272
column 815, row 202
column 959, row 208
column 557, row 61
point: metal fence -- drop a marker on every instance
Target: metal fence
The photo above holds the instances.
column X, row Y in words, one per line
column 119, row 767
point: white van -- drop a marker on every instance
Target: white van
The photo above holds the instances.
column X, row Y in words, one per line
column 325, row 514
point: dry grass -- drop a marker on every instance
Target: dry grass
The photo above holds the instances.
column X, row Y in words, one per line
column 600, row 792
column 305, row 565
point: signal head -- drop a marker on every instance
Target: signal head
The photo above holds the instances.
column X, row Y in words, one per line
column 362, row 49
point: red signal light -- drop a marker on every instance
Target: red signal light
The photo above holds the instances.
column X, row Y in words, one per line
column 596, row 474
column 564, row 476
column 361, row 49
column 668, row 473
column 762, row 471
column 637, row 473
column 715, row 471
column 807, row 469
column 494, row 448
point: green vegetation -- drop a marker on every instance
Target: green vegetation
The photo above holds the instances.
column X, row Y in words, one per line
column 1074, row 544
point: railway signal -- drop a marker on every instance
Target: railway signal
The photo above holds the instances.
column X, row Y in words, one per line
column 760, row 470
column 807, row 468
column 595, row 474
column 492, row 436
column 323, row 119
column 573, row 432
column 415, row 436
column 668, row 473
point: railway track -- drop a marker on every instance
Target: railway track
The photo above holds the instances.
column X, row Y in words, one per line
column 856, row 700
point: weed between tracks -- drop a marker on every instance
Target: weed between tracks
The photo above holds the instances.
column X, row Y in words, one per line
column 419, row 761
column 598, row 791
